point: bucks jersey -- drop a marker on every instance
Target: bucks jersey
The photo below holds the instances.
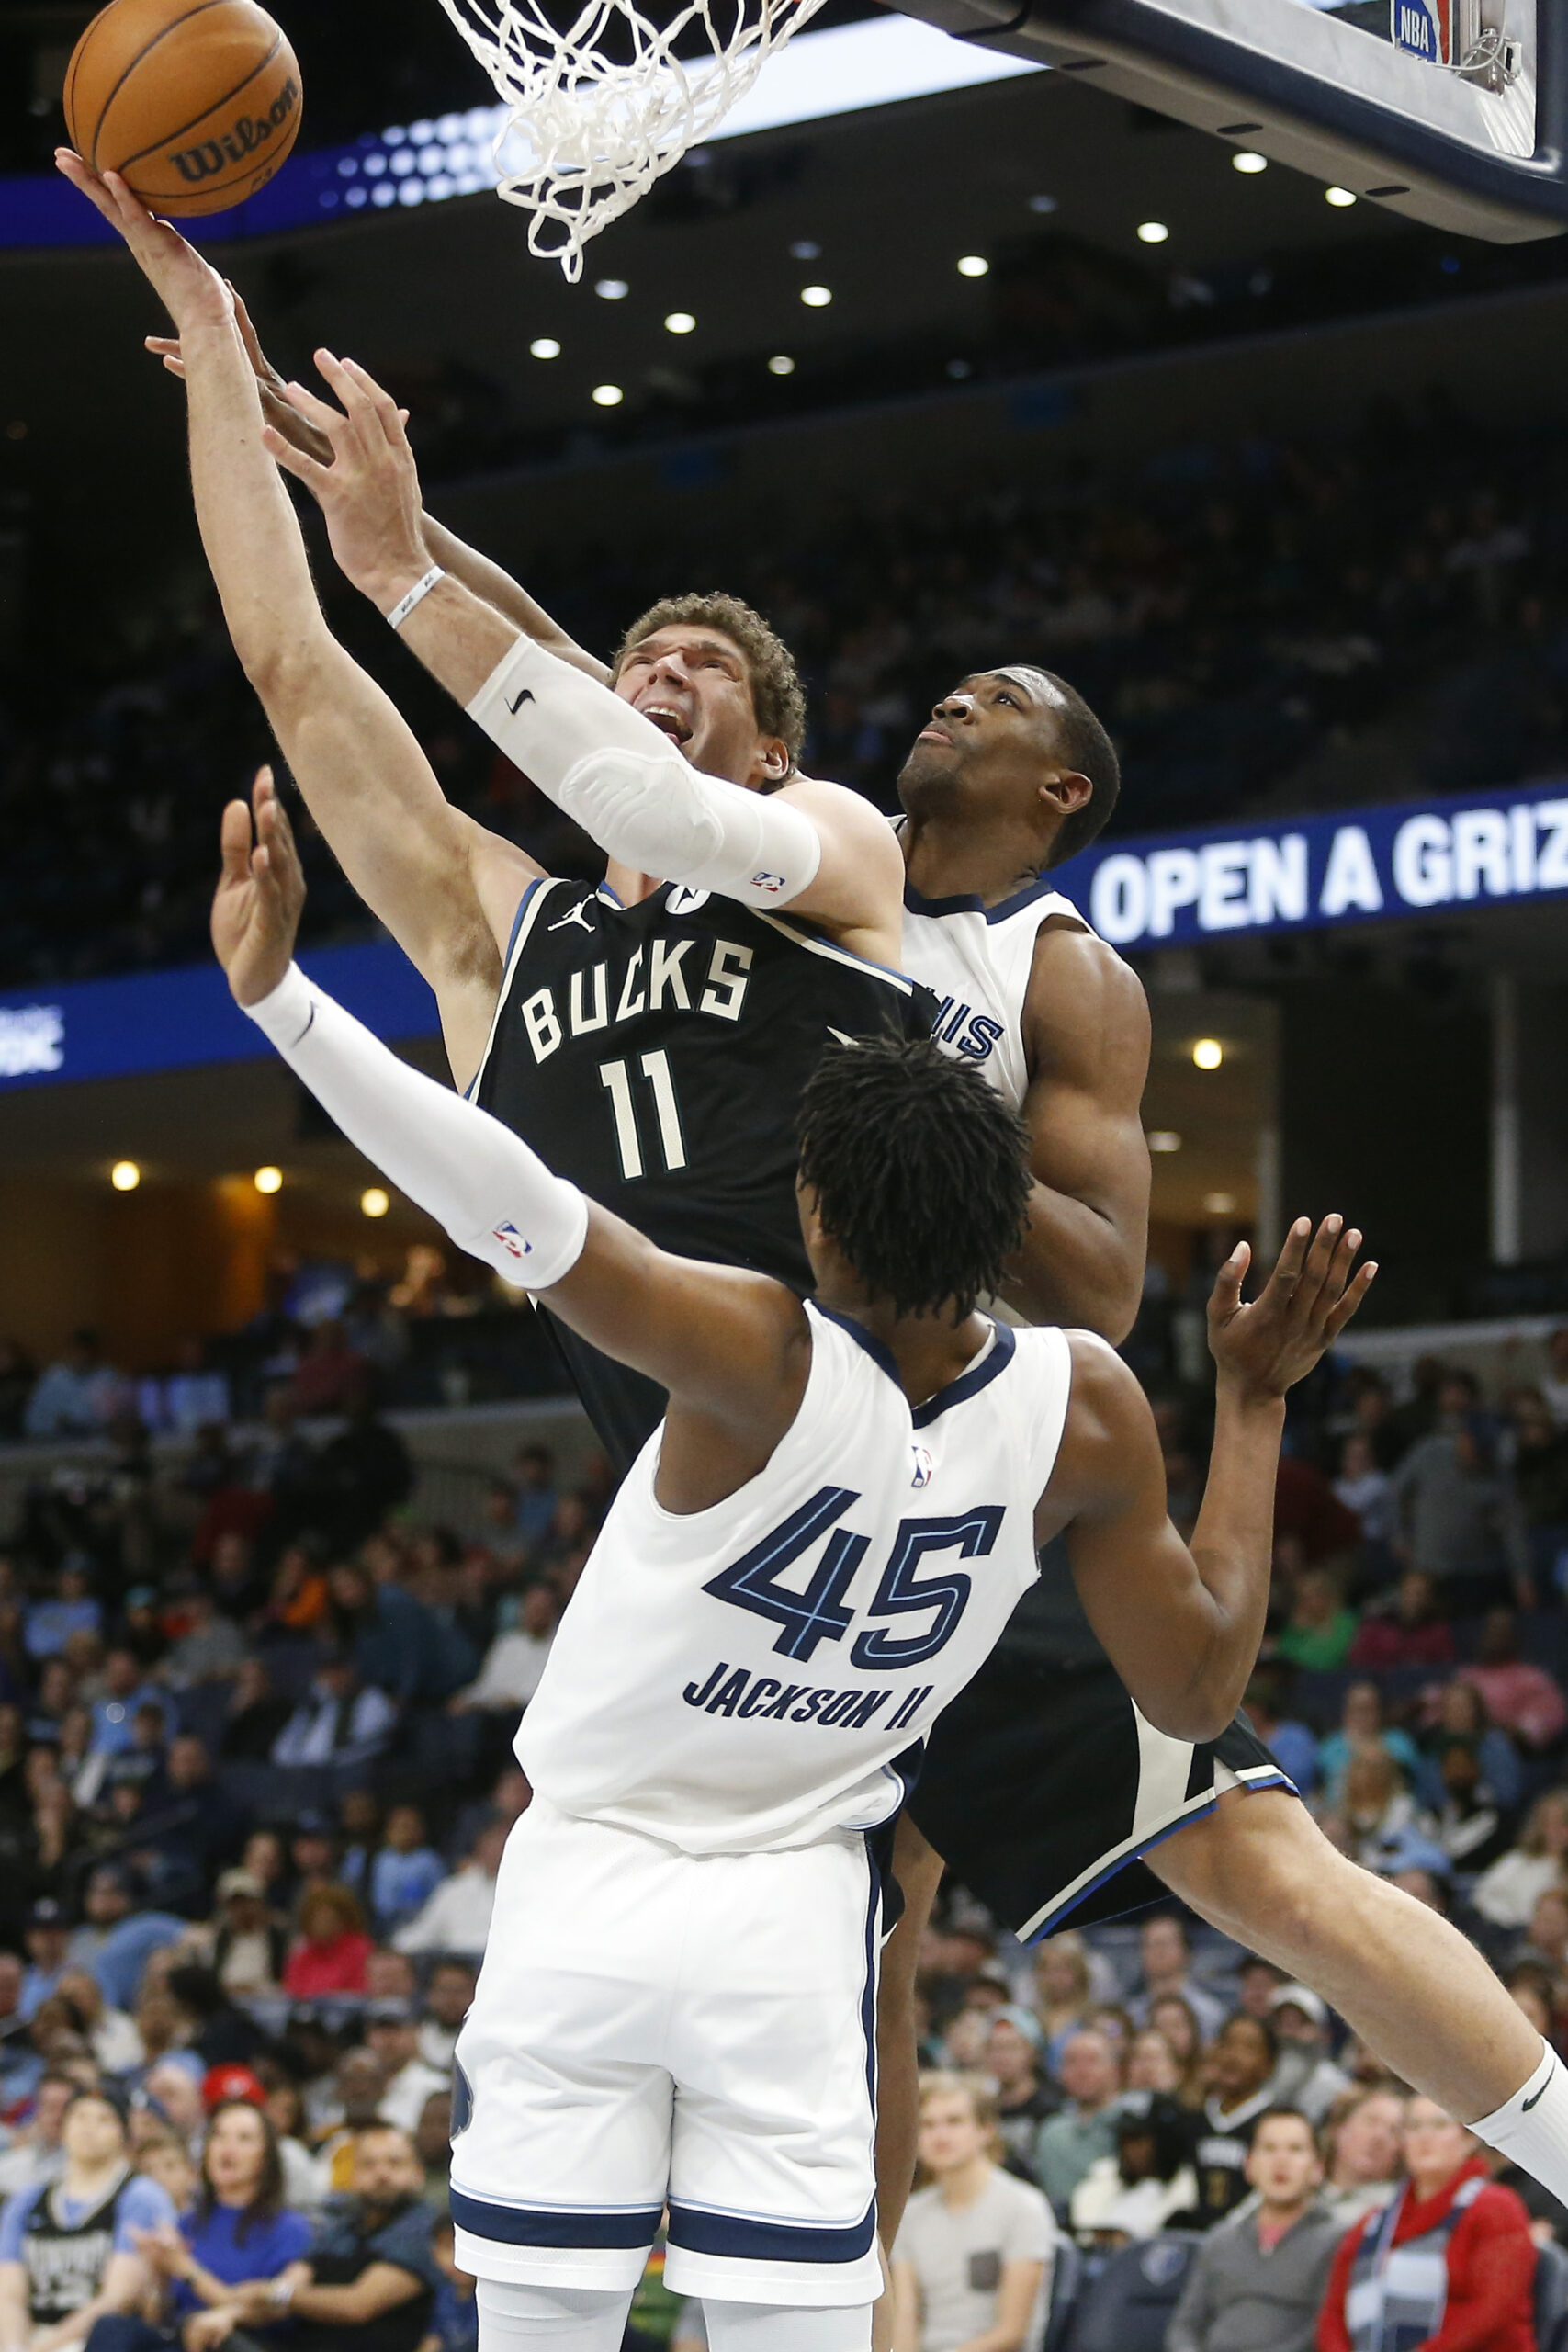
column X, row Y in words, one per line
column 745, row 1678
column 656, row 1055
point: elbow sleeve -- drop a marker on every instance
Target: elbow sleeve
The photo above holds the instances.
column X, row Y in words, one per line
column 626, row 784
column 494, row 1196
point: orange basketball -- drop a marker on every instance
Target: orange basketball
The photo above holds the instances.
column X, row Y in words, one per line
column 195, row 102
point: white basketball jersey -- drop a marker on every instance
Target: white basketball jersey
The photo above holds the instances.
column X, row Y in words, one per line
column 744, row 1678
column 977, row 959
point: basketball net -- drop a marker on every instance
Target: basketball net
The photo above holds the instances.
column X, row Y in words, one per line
column 587, row 134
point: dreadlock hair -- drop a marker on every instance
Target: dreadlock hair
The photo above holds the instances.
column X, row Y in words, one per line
column 777, row 696
column 921, row 1171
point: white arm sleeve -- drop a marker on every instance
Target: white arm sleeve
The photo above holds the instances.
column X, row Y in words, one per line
column 626, row 784
column 495, row 1197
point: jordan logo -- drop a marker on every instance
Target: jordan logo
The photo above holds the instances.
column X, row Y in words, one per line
column 574, row 914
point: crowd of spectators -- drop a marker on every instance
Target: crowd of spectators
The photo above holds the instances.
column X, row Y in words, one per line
column 1230, row 609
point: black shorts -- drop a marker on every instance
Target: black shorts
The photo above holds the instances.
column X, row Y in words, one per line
column 1042, row 1786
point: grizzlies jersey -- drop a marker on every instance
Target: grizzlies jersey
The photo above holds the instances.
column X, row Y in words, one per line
column 745, row 1678
column 656, row 1055
column 976, row 962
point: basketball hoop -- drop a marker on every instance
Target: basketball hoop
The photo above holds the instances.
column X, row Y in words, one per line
column 597, row 112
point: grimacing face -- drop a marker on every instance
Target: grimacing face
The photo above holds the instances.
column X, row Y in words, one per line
column 693, row 683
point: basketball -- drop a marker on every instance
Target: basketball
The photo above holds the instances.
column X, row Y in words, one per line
column 195, row 102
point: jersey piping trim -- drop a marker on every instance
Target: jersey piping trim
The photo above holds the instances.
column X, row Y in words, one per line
column 836, row 955
column 557, row 2226
column 527, row 914
column 971, row 903
column 969, row 1384
column 703, row 2231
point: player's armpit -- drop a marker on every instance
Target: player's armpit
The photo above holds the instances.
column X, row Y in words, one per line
column 1086, row 1029
column 1183, row 1656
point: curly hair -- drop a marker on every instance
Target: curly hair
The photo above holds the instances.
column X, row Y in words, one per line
column 919, row 1169
column 777, row 696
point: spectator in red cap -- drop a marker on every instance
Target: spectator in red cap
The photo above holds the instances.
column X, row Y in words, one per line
column 225, row 2084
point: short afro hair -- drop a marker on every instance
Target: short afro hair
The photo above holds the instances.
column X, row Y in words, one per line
column 1088, row 751
column 777, row 696
column 920, row 1171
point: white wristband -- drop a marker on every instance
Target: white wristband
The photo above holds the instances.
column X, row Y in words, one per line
column 416, row 595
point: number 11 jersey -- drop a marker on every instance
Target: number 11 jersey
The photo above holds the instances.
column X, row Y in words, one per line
column 656, row 1055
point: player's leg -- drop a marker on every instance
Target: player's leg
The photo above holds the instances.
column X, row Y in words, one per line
column 561, row 2111
column 917, row 1867
column 1407, row 1982
column 773, row 2197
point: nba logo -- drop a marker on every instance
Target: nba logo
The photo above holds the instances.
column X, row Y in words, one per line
column 511, row 1240
column 1425, row 27
column 924, row 1467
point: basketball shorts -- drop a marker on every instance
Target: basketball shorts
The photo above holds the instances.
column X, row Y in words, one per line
column 655, row 2029
column 1043, row 1787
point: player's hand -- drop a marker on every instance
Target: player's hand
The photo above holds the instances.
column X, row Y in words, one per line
column 275, row 406
column 259, row 895
column 369, row 493
column 1264, row 1348
column 190, row 289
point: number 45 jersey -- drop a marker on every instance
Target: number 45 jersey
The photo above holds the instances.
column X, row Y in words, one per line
column 754, row 1675
column 656, row 1055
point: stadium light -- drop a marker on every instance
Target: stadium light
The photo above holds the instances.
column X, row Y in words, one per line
column 612, row 289
column 679, row 323
column 1152, row 233
column 607, row 396
column 816, row 298
column 1339, row 196
column 974, row 265
column 1164, row 1139
column 1247, row 159
column 781, row 365
column 374, row 1202
column 1208, row 1053
column 125, row 1175
column 268, row 1180
column 543, row 347
column 806, row 249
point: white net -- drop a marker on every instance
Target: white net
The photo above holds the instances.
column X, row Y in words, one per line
column 598, row 109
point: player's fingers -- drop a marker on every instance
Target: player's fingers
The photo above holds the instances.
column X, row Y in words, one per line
column 71, row 167
column 133, row 212
column 1340, row 1266
column 356, row 408
column 294, row 461
column 1288, row 1266
column 234, row 840
column 1226, row 1297
column 161, row 343
column 1355, row 1293
column 384, row 405
column 319, row 413
column 175, row 367
column 1319, row 1258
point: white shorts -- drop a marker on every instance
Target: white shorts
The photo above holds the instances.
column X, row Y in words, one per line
column 652, row 2027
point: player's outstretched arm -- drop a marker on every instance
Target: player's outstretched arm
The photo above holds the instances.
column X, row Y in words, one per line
column 808, row 845
column 478, row 573
column 1085, row 1028
column 445, row 890
column 1182, row 1624
column 732, row 1348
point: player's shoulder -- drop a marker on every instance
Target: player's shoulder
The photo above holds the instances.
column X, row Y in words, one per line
column 1080, row 986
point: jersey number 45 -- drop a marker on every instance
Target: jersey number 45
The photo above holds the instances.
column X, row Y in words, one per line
column 817, row 1612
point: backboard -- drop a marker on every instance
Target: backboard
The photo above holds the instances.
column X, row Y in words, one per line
column 1451, row 111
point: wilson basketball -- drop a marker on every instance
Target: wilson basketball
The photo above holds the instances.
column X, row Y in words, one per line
column 195, row 102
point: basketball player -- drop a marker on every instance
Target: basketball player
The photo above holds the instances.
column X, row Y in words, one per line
column 1048, row 1785
column 677, row 1999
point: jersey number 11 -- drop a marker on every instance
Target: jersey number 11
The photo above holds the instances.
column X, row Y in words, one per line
column 615, row 1079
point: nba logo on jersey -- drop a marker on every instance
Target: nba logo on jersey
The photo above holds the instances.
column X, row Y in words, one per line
column 924, row 1470
column 1425, row 27
column 511, row 1240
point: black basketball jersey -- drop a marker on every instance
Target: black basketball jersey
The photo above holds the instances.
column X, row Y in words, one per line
column 66, row 2261
column 656, row 1055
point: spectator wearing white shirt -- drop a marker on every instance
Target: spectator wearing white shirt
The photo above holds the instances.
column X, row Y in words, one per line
column 972, row 2261
column 514, row 1661
column 36, row 2157
column 1508, row 1891
column 446, row 1999
column 392, row 2032
column 457, row 1918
